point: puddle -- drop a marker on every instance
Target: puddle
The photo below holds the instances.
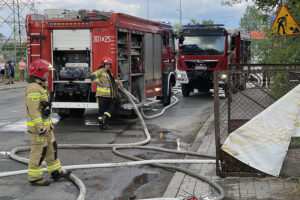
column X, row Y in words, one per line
column 91, row 123
column 55, row 120
column 209, row 196
column 128, row 193
column 113, row 121
column 19, row 126
column 96, row 182
column 168, row 139
column 4, row 153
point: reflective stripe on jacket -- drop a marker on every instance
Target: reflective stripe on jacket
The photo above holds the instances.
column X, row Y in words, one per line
column 35, row 121
column 104, row 84
column 34, row 94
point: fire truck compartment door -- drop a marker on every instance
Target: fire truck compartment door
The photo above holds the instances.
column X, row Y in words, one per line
column 149, row 56
column 157, row 56
column 153, row 59
column 71, row 39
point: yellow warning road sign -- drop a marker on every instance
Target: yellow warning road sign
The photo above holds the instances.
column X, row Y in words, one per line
column 285, row 23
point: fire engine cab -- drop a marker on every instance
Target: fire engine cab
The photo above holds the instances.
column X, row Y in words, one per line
column 205, row 48
column 74, row 42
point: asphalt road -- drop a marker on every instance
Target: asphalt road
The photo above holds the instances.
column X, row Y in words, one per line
column 176, row 129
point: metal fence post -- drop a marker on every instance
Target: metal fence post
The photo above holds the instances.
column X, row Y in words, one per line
column 217, row 120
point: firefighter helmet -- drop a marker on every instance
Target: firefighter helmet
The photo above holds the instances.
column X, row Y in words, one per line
column 39, row 67
column 106, row 60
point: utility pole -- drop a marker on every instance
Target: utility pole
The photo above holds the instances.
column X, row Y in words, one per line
column 148, row 9
column 15, row 40
column 12, row 23
column 180, row 16
column 19, row 23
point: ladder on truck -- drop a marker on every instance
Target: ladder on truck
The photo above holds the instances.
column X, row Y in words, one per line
column 32, row 37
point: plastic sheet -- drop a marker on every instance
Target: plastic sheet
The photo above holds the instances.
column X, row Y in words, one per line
column 262, row 143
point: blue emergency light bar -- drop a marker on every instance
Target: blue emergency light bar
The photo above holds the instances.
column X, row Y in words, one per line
column 201, row 25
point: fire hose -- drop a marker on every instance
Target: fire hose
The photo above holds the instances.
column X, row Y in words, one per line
column 137, row 161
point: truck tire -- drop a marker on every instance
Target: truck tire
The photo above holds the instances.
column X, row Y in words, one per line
column 167, row 99
column 185, row 88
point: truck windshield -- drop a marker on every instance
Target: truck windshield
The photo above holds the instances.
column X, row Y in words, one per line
column 203, row 45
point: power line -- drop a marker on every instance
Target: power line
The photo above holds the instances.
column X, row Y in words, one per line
column 12, row 23
column 12, row 18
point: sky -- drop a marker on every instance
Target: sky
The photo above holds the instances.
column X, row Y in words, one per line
column 159, row 10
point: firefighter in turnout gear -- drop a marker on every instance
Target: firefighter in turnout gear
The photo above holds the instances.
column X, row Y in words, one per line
column 106, row 91
column 40, row 127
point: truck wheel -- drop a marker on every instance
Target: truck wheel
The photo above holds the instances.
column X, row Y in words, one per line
column 185, row 88
column 167, row 99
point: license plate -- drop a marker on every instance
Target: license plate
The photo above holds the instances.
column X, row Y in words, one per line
column 201, row 67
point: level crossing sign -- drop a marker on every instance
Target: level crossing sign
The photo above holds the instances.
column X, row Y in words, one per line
column 285, row 23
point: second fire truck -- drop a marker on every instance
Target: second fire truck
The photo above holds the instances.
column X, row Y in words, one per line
column 74, row 42
column 205, row 48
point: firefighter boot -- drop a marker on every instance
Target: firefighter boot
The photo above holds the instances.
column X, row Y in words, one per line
column 106, row 126
column 40, row 182
column 56, row 175
column 101, row 122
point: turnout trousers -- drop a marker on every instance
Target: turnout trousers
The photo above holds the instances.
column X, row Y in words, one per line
column 42, row 148
column 106, row 107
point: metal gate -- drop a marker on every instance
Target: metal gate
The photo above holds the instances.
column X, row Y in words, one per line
column 241, row 93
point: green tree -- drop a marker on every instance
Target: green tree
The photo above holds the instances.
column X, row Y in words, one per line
column 207, row 21
column 251, row 20
column 193, row 21
column 266, row 5
column 274, row 49
column 204, row 22
column 177, row 28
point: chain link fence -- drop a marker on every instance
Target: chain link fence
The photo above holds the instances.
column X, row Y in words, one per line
column 241, row 93
column 7, row 51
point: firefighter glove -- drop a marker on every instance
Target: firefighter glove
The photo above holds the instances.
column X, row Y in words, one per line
column 45, row 104
column 46, row 113
column 93, row 77
column 46, row 109
column 44, row 132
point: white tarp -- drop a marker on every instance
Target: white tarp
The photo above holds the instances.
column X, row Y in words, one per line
column 262, row 143
column 297, row 129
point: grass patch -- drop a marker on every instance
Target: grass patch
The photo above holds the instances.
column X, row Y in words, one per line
column 17, row 74
column 295, row 141
column 297, row 188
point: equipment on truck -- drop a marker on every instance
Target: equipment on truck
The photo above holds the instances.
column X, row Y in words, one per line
column 142, row 52
column 205, row 48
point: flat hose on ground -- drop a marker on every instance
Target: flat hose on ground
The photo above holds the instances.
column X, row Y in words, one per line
column 137, row 145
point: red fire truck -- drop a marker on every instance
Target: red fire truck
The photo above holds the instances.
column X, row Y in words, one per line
column 74, row 42
column 205, row 48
